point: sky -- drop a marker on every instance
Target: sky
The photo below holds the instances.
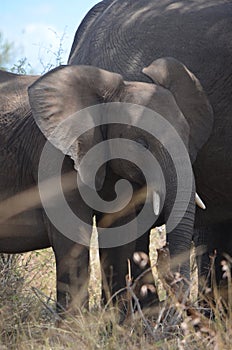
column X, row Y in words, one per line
column 37, row 27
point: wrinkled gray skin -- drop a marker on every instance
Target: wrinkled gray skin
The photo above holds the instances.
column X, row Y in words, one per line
column 125, row 36
column 27, row 124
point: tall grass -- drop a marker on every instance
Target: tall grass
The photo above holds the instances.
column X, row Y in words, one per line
column 28, row 319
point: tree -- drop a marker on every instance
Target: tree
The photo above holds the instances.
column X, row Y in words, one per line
column 7, row 54
column 7, row 51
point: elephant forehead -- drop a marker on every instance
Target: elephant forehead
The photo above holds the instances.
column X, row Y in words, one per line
column 140, row 91
column 149, row 95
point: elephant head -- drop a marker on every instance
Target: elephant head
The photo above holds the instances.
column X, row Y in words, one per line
column 175, row 94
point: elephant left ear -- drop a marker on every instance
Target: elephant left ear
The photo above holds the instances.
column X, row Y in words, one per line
column 59, row 101
column 189, row 96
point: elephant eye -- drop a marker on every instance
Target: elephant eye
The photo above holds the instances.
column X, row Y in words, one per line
column 143, row 143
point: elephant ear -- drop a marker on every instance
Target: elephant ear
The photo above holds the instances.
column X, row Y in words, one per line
column 61, row 93
column 189, row 96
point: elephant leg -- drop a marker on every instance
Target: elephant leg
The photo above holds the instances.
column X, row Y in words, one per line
column 221, row 244
column 114, row 260
column 114, row 263
column 201, row 242
column 72, row 270
column 72, row 254
column 217, row 240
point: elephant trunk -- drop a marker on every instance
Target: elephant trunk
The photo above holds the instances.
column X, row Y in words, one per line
column 180, row 240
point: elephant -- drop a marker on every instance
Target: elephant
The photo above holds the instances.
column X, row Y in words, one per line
column 123, row 62
column 124, row 37
column 33, row 107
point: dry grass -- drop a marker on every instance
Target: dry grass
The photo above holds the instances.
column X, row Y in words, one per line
column 28, row 319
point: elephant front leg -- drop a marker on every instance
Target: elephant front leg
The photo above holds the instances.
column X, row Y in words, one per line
column 71, row 248
column 72, row 272
column 72, row 269
column 115, row 272
column 116, row 259
column 115, row 268
column 201, row 242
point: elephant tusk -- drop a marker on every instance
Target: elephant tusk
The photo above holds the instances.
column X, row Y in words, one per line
column 199, row 202
column 156, row 203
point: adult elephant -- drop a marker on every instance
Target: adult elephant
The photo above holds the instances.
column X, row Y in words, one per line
column 34, row 133
column 126, row 36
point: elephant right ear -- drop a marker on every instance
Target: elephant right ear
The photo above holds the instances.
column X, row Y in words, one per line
column 189, row 96
column 61, row 93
